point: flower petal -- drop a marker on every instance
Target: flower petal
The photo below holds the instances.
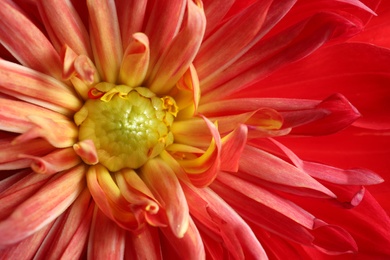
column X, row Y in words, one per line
column 232, row 146
column 28, row 85
column 40, row 210
column 69, row 233
column 106, row 239
column 165, row 186
column 26, row 42
column 135, row 61
column 131, row 15
column 284, row 48
column 65, row 26
column 177, row 57
column 105, row 38
column 190, row 246
column 145, row 245
column 275, row 171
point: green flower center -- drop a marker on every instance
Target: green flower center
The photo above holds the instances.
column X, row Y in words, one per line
column 127, row 125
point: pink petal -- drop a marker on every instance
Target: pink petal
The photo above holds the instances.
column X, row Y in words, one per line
column 14, row 115
column 232, row 146
column 135, row 61
column 105, row 38
column 275, row 171
column 87, row 151
column 231, row 40
column 65, row 26
column 28, row 85
column 165, row 186
column 68, row 236
column 40, row 210
column 19, row 190
column 106, row 239
column 26, row 42
column 220, row 219
column 161, row 27
column 145, row 245
column 27, row 248
column 60, row 134
column 284, row 48
column 142, row 202
column 190, row 246
column 57, row 161
column 10, row 152
column 179, row 54
column 135, row 10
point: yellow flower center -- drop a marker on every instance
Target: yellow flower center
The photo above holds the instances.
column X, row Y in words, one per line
column 127, row 125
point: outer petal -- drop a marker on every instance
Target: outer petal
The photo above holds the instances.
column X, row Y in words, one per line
column 190, row 246
column 68, row 236
column 26, row 42
column 145, row 245
column 27, row 84
column 65, row 26
column 106, row 239
column 40, row 210
column 358, row 71
column 272, row 53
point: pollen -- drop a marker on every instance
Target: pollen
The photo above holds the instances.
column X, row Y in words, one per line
column 128, row 126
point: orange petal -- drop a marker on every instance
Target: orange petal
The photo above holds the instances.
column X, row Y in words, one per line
column 177, row 57
column 165, row 186
column 145, row 245
column 65, row 26
column 106, row 238
column 105, row 38
column 232, row 146
column 37, row 88
column 62, row 191
column 135, row 61
column 26, row 42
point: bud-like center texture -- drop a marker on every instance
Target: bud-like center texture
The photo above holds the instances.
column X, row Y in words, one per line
column 127, row 125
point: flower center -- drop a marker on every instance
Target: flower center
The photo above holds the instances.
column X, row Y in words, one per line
column 127, row 125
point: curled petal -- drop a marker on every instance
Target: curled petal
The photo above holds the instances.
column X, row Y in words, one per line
column 26, row 42
column 232, row 146
column 165, row 186
column 134, row 9
column 106, row 239
column 87, row 151
column 57, row 161
column 135, row 61
column 142, row 202
column 202, row 170
column 40, row 210
column 115, row 210
column 60, row 134
column 10, row 152
column 189, row 91
column 222, row 221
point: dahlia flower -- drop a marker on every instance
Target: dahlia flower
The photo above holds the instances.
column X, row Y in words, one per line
column 182, row 129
